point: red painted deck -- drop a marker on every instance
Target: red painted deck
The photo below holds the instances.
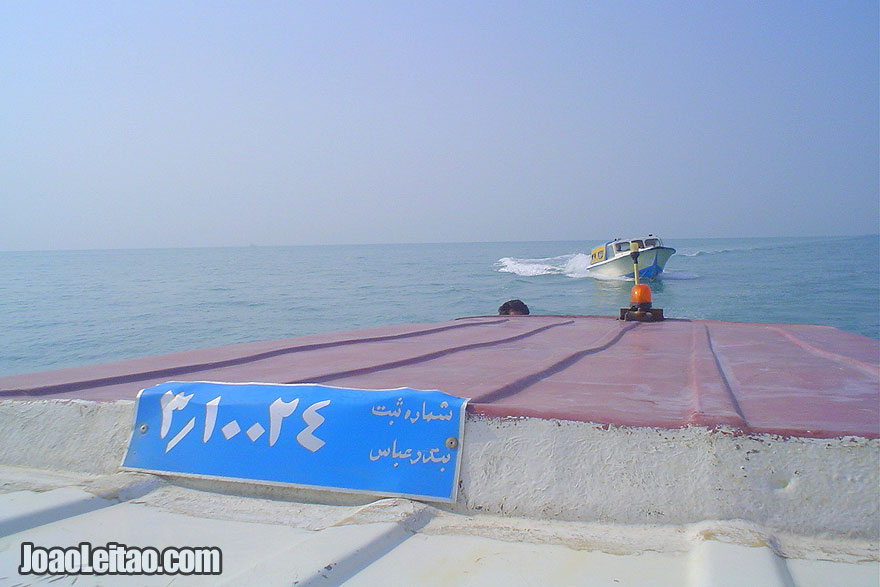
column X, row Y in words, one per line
column 812, row 381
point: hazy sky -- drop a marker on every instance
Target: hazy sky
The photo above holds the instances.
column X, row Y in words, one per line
column 141, row 124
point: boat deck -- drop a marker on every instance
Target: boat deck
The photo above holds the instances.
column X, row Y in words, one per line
column 595, row 452
column 807, row 381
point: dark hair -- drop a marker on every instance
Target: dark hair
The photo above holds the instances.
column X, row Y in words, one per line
column 513, row 306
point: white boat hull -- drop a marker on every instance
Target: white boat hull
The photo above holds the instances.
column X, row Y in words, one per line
column 651, row 264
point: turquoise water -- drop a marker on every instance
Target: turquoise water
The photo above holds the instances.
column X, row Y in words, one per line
column 67, row 308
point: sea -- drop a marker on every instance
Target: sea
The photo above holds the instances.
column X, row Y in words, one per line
column 69, row 308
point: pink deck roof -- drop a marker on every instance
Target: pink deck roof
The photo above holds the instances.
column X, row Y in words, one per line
column 813, row 381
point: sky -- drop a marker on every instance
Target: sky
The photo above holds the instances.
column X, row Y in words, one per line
column 176, row 124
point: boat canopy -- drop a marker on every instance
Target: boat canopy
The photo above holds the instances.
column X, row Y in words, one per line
column 649, row 242
column 617, row 246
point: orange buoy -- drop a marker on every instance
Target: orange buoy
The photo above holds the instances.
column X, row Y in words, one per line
column 640, row 295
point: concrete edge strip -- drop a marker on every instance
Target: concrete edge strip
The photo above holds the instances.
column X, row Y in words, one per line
column 832, row 483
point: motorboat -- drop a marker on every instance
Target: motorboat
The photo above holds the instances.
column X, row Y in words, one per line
column 613, row 259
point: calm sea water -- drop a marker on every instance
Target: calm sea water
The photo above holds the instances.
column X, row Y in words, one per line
column 68, row 308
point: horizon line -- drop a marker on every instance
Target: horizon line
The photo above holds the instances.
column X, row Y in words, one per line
column 362, row 244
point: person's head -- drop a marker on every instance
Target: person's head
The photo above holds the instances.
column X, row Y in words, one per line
column 513, row 308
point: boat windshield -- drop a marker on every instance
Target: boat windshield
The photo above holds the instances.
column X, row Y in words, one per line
column 624, row 246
